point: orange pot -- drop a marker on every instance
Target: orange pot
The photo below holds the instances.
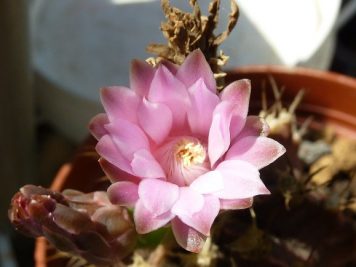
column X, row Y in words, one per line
column 330, row 97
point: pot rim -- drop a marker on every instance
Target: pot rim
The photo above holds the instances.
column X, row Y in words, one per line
column 330, row 96
column 298, row 71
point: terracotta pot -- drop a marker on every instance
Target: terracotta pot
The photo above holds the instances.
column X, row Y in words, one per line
column 330, row 98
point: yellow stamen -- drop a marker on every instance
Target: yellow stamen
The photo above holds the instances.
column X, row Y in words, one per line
column 190, row 153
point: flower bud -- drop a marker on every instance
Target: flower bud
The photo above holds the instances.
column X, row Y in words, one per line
column 87, row 225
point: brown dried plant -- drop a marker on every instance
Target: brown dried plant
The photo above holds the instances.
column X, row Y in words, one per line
column 186, row 32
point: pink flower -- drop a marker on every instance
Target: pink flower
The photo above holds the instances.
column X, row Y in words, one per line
column 177, row 152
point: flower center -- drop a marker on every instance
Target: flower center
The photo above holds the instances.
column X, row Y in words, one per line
column 183, row 159
column 190, row 153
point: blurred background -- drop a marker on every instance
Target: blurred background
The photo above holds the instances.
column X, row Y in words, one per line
column 54, row 55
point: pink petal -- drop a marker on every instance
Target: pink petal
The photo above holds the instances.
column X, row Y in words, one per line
column 219, row 133
column 141, row 76
column 207, row 183
column 155, row 119
column 195, row 67
column 191, row 173
column 120, row 103
column 189, row 202
column 123, row 193
column 236, row 125
column 145, row 165
column 146, row 221
column 241, row 180
column 203, row 103
column 237, row 93
column 204, row 218
column 96, row 125
column 128, row 137
column 173, row 68
column 166, row 89
column 165, row 156
column 229, row 118
column 254, row 126
column 235, row 204
column 158, row 196
column 108, row 150
column 258, row 150
column 115, row 174
column 187, row 237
